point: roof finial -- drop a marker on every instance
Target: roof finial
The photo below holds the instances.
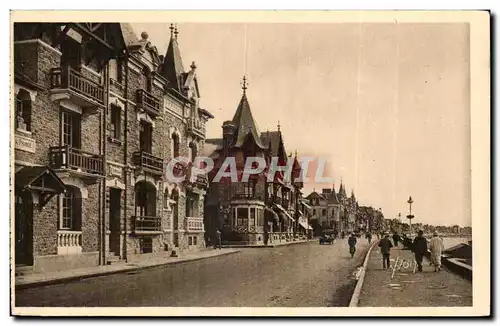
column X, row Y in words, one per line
column 193, row 66
column 279, row 126
column 296, row 153
column 171, row 30
column 244, row 85
column 176, row 32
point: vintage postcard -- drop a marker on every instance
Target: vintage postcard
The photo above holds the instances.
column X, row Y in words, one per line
column 250, row 163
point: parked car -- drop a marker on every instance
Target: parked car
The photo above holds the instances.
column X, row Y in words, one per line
column 326, row 239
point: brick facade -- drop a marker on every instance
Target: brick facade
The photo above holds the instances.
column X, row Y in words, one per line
column 110, row 212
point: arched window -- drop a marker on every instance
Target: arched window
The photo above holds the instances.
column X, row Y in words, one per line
column 71, row 210
column 175, row 145
column 23, row 110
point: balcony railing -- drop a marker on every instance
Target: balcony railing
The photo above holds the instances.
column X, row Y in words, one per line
column 68, row 78
column 69, row 242
column 244, row 196
column 67, row 157
column 146, row 224
column 194, row 224
column 148, row 161
column 196, row 126
column 148, row 102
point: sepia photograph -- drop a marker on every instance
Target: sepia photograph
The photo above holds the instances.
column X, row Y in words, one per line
column 250, row 163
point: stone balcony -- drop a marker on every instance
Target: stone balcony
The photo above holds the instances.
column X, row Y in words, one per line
column 194, row 224
column 69, row 242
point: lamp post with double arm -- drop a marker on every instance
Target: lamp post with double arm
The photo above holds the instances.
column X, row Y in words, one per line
column 410, row 216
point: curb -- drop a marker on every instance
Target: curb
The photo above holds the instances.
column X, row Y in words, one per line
column 266, row 246
column 67, row 279
column 357, row 290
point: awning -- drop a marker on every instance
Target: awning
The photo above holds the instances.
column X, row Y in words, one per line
column 41, row 180
column 306, row 205
column 283, row 211
column 305, row 225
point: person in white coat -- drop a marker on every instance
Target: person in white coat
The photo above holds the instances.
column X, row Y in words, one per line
column 436, row 247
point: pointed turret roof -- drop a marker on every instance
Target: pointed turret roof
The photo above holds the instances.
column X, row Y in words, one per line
column 342, row 189
column 245, row 123
column 173, row 69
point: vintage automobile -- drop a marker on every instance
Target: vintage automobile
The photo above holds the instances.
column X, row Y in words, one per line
column 326, row 239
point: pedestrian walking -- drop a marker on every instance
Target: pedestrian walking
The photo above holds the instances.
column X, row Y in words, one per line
column 419, row 248
column 396, row 238
column 385, row 249
column 218, row 236
column 369, row 237
column 335, row 233
column 352, row 244
column 342, row 234
column 436, row 247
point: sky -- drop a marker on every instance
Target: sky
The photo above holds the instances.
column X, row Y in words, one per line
column 388, row 105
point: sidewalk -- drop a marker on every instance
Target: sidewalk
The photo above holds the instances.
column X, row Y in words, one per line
column 40, row 279
column 406, row 289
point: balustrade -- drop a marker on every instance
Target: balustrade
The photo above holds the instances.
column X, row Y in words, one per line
column 69, row 242
column 69, row 78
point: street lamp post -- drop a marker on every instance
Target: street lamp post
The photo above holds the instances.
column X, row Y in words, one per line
column 400, row 230
column 410, row 216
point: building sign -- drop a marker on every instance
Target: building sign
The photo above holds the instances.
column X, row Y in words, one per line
column 24, row 143
column 115, row 170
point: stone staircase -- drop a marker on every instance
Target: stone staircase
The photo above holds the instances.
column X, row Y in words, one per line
column 114, row 258
column 21, row 270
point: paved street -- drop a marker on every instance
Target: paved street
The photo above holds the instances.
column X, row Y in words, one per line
column 289, row 276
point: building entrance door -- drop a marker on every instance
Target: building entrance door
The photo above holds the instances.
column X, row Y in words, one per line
column 24, row 228
column 114, row 220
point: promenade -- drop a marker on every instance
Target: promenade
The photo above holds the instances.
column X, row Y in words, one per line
column 408, row 289
column 301, row 275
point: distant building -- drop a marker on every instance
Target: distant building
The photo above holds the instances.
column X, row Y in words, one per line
column 256, row 211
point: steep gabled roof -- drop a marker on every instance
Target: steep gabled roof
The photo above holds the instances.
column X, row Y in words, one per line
column 272, row 140
column 128, row 33
column 315, row 194
column 172, row 68
column 245, row 124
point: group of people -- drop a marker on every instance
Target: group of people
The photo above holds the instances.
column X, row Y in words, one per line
column 418, row 246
